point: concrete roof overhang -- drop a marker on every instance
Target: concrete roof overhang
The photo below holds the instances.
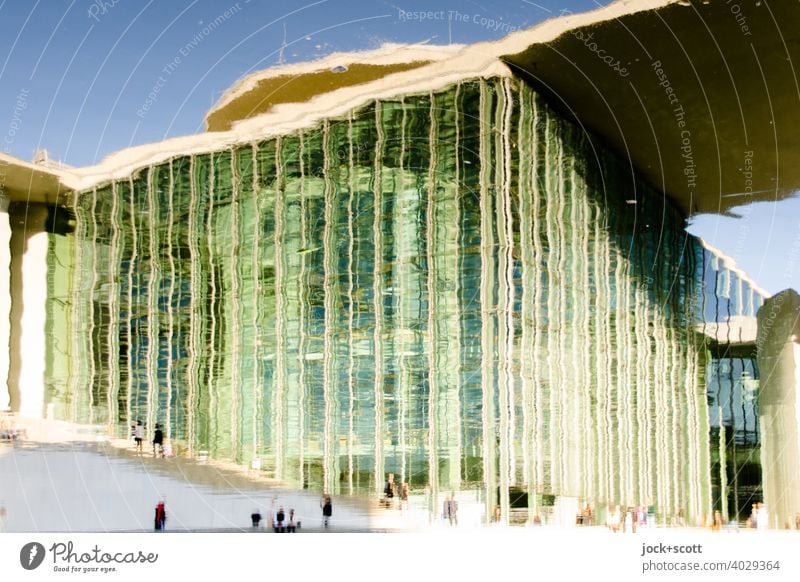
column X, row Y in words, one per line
column 702, row 97
column 261, row 92
column 24, row 182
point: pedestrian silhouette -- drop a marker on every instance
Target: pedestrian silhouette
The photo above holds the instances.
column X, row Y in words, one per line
column 138, row 435
column 388, row 489
column 327, row 510
column 158, row 442
column 255, row 517
column 404, row 496
column 279, row 518
column 161, row 516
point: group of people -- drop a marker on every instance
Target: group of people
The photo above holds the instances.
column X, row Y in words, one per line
column 283, row 524
column 449, row 506
column 586, row 516
column 159, row 449
column 631, row 518
column 617, row 520
column 389, row 493
column 279, row 522
column 11, row 434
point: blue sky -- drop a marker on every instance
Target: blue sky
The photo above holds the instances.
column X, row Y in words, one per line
column 75, row 76
column 764, row 241
column 87, row 66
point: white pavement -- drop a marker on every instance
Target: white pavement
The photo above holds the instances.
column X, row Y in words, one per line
column 91, row 487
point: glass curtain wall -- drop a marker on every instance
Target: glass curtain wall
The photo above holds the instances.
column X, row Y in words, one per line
column 460, row 288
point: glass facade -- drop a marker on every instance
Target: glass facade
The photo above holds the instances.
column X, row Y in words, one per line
column 461, row 288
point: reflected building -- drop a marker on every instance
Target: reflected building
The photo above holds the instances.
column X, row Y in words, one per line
column 461, row 286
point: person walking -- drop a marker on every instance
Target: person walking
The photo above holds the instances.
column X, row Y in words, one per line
column 717, row 525
column 158, row 442
column 388, row 489
column 161, row 516
column 138, row 436
column 279, row 528
column 255, row 517
column 327, row 510
column 763, row 517
column 452, row 509
column 613, row 519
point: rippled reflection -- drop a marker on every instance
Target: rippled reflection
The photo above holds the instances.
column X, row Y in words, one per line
column 459, row 288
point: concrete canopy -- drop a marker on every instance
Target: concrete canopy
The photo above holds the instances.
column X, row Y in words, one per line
column 24, row 182
column 705, row 89
column 260, row 92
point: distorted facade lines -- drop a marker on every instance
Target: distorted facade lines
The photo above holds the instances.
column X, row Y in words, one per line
column 450, row 286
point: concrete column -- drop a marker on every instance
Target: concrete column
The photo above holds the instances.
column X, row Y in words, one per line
column 779, row 406
column 28, row 290
column 5, row 299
